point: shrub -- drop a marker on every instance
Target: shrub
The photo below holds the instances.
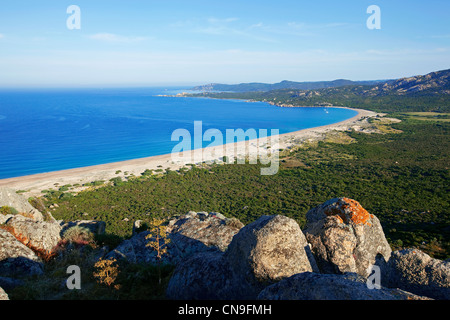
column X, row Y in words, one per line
column 37, row 203
column 147, row 172
column 8, row 210
column 235, row 223
column 107, row 272
column 66, row 196
column 117, row 181
column 79, row 235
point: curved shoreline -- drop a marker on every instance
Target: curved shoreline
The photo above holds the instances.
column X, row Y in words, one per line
column 33, row 184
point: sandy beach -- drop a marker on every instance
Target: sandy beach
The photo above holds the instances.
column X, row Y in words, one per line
column 34, row 184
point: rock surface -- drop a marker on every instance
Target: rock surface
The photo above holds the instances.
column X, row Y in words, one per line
column 9, row 197
column 3, row 295
column 219, row 258
column 265, row 251
column 315, row 286
column 415, row 271
column 345, row 237
column 40, row 235
column 189, row 234
column 5, row 217
column 17, row 260
column 203, row 276
column 212, row 230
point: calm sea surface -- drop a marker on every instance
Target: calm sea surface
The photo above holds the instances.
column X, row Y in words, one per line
column 49, row 130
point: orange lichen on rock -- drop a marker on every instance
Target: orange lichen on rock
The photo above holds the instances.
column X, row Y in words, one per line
column 339, row 219
column 43, row 254
column 350, row 210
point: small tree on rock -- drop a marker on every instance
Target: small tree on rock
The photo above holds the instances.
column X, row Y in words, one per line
column 158, row 240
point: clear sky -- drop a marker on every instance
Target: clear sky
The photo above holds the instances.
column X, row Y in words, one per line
column 156, row 42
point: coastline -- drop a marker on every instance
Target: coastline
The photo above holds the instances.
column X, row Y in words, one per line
column 34, row 184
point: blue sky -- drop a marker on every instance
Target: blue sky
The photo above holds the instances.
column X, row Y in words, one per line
column 155, row 42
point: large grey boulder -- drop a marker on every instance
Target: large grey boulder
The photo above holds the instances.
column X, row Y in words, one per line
column 345, row 237
column 203, row 276
column 16, row 259
column 40, row 235
column 212, row 230
column 267, row 250
column 315, row 286
column 261, row 253
column 188, row 234
column 9, row 197
column 415, row 271
column 133, row 250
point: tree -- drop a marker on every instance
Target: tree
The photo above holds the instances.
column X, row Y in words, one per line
column 158, row 240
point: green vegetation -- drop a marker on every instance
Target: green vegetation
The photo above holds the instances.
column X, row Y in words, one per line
column 147, row 172
column 429, row 93
column 8, row 210
column 348, row 96
column 158, row 241
column 101, row 279
column 400, row 176
column 255, row 86
column 79, row 234
column 430, row 116
column 94, row 183
column 117, row 181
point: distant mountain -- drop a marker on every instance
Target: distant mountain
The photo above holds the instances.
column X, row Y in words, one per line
column 430, row 92
column 432, row 83
column 256, row 86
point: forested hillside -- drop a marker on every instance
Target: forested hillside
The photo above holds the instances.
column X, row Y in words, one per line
column 430, row 93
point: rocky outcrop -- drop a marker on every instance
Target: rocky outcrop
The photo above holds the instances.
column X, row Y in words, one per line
column 203, row 276
column 265, row 251
column 432, row 82
column 345, row 237
column 40, row 235
column 12, row 248
column 17, row 260
column 134, row 250
column 188, row 234
column 212, row 230
column 415, row 271
column 219, row 258
column 315, row 286
column 9, row 197
column 5, row 217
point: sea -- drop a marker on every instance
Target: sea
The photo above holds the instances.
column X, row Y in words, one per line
column 43, row 130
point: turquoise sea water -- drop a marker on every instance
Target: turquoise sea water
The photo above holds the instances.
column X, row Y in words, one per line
column 49, row 130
